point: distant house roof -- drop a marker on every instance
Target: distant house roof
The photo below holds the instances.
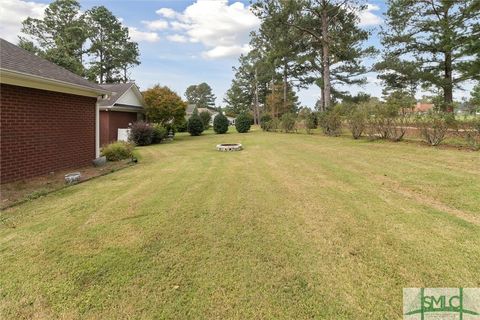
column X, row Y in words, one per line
column 209, row 110
column 16, row 62
column 423, row 107
column 190, row 109
column 123, row 96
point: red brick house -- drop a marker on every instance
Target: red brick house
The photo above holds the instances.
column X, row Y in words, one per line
column 123, row 107
column 49, row 117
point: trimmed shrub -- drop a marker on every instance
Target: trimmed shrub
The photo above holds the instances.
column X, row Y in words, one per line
column 195, row 125
column 273, row 125
column 433, row 127
column 159, row 133
column 311, row 121
column 181, row 126
column 205, row 116
column 117, row 151
column 287, row 122
column 357, row 122
column 330, row 122
column 141, row 133
column 220, row 124
column 377, row 127
column 470, row 130
column 243, row 123
column 264, row 121
column 396, row 128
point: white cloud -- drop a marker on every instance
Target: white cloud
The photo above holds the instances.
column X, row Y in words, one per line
column 13, row 12
column 221, row 27
column 226, row 51
column 177, row 38
column 167, row 13
column 139, row 36
column 156, row 24
column 368, row 18
column 178, row 25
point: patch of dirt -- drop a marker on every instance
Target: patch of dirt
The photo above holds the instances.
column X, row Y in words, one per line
column 20, row 191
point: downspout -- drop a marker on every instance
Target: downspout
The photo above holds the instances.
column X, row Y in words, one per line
column 97, row 127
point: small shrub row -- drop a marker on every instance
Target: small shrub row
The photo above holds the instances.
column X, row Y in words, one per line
column 331, row 122
column 379, row 121
column 289, row 122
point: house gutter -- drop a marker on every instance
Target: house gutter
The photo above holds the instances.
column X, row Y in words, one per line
column 97, row 128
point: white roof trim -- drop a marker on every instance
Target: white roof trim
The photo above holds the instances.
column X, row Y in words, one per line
column 137, row 93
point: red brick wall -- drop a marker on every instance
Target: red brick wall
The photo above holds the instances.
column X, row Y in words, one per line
column 111, row 121
column 43, row 131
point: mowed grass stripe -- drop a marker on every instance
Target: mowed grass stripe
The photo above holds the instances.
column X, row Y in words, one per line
column 294, row 226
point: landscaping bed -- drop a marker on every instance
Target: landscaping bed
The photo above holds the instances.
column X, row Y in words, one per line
column 19, row 191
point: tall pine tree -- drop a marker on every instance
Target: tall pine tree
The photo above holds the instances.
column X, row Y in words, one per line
column 434, row 42
column 58, row 37
column 332, row 41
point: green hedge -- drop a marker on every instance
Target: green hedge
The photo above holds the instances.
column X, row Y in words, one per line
column 243, row 123
column 220, row 124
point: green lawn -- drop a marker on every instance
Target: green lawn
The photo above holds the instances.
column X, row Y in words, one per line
column 292, row 227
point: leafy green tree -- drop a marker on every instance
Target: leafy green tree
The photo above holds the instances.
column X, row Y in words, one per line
column 475, row 99
column 110, row 46
column 275, row 103
column 200, row 95
column 398, row 75
column 127, row 59
column 164, row 106
column 400, row 101
column 282, row 45
column 251, row 83
column 288, row 122
column 433, row 42
column 220, row 124
column 238, row 97
column 59, row 37
column 63, row 34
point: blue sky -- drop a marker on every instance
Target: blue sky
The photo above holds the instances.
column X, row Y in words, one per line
column 184, row 42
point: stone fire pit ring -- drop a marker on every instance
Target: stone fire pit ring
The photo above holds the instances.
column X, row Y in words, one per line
column 229, row 147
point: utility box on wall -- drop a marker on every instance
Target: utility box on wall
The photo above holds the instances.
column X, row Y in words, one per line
column 123, row 134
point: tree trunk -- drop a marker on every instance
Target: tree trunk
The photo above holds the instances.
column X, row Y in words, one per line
column 101, row 67
column 322, row 100
column 327, row 87
column 448, row 86
column 285, row 75
column 256, row 113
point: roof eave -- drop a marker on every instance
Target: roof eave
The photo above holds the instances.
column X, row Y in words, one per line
column 24, row 79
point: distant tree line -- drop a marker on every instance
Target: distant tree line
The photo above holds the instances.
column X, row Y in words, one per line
column 93, row 44
column 434, row 45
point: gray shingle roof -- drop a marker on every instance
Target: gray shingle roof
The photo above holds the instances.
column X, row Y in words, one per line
column 13, row 58
column 190, row 108
column 117, row 89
